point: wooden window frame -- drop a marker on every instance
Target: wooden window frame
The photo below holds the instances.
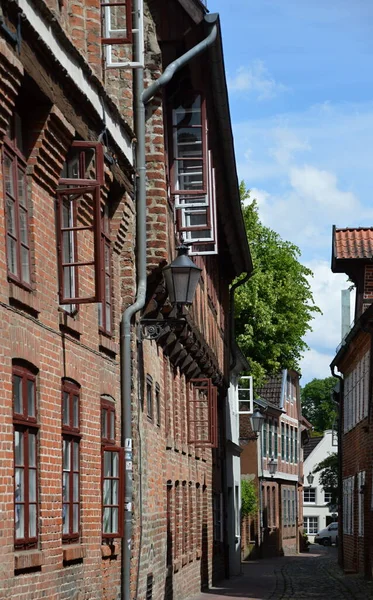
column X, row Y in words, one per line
column 71, row 436
column 204, row 386
column 109, row 41
column 70, row 192
column 26, row 425
column 158, row 404
column 108, row 407
column 283, row 442
column 120, row 478
column 105, row 324
column 18, row 163
column 149, row 397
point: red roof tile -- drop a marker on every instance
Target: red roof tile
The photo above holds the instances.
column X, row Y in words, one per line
column 353, row 243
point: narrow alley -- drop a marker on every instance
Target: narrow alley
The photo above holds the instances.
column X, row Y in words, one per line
column 313, row 576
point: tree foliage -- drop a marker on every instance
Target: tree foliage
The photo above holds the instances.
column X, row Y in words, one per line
column 249, row 498
column 274, row 308
column 317, row 404
column 328, row 469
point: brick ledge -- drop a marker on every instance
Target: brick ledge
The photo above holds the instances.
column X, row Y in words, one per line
column 28, row 559
column 73, row 552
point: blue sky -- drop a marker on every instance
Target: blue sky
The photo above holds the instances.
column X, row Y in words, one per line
column 301, row 96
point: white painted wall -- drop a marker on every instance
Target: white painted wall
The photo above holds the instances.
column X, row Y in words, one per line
column 319, row 509
column 233, row 470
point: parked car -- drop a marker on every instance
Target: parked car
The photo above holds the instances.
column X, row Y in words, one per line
column 328, row 536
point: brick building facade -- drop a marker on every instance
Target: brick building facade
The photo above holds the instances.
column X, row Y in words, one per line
column 68, row 252
column 352, row 251
column 281, row 495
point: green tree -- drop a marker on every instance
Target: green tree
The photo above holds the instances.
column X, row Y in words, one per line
column 274, row 308
column 249, row 498
column 328, row 469
column 317, row 404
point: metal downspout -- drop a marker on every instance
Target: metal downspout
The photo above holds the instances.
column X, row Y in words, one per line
column 141, row 99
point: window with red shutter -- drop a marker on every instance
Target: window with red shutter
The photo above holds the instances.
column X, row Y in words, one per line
column 79, row 226
column 202, row 414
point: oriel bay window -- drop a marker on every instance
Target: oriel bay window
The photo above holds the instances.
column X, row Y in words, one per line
column 70, row 461
column 112, row 474
column 193, row 176
column 25, row 458
column 16, row 205
column 79, row 231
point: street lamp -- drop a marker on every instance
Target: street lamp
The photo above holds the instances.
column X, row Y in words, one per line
column 310, row 478
column 272, row 466
column 181, row 279
column 257, row 419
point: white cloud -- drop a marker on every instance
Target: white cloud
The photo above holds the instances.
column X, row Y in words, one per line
column 315, row 365
column 257, row 79
column 326, row 327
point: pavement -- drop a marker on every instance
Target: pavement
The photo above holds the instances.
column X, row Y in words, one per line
column 309, row 576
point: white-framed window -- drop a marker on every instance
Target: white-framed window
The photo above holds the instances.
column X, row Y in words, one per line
column 327, row 497
column 360, row 491
column 356, row 390
column 348, row 505
column 309, row 495
column 311, row 525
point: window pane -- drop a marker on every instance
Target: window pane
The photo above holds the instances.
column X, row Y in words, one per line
column 116, row 22
column 66, row 455
column 108, row 316
column 115, row 489
column 31, row 398
column 32, row 485
column 114, row 515
column 18, row 446
column 104, row 423
column 189, row 143
column 10, row 217
column 25, row 264
column 20, row 521
column 32, row 520
column 189, row 174
column 99, row 313
column 12, row 256
column 8, row 176
column 115, row 464
column 76, row 487
column 107, row 464
column 76, row 456
column 19, row 487
column 17, row 395
column 22, row 189
column 65, row 487
column 107, row 492
column 106, row 520
column 65, row 518
column 112, row 426
column 66, row 409
column 75, row 518
column 75, row 411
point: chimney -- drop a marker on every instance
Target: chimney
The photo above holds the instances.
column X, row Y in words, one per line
column 346, row 312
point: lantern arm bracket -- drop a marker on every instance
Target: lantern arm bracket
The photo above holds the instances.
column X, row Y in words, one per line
column 152, row 329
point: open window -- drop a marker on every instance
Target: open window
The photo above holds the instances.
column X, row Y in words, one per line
column 122, row 34
column 79, row 228
column 193, row 176
column 202, row 414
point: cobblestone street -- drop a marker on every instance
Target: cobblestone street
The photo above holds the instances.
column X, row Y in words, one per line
column 313, row 576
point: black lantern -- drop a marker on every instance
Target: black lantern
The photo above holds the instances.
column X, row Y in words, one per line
column 310, row 478
column 272, row 466
column 257, row 419
column 182, row 277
